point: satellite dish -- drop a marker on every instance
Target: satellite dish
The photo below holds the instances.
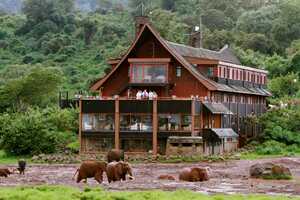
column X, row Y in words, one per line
column 197, row 28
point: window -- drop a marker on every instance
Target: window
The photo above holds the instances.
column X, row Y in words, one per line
column 168, row 122
column 135, row 122
column 98, row 122
column 210, row 71
column 186, row 124
column 178, row 71
column 149, row 73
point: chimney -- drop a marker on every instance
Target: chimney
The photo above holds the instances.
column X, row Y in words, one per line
column 195, row 39
column 140, row 21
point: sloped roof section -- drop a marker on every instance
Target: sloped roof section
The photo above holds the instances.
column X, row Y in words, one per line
column 224, row 132
column 217, row 108
column 225, row 54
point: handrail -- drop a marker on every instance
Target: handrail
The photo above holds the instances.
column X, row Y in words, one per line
column 133, row 98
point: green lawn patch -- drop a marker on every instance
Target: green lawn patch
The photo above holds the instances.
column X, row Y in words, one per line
column 68, row 193
column 9, row 159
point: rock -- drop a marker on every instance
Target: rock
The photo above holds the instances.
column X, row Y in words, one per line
column 166, row 177
column 269, row 170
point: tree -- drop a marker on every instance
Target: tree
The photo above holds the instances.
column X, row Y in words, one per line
column 284, row 86
column 258, row 21
column 258, row 42
column 276, row 65
column 38, row 11
column 167, row 4
column 169, row 25
column 89, row 30
column 216, row 19
column 216, row 39
column 38, row 88
column 295, row 63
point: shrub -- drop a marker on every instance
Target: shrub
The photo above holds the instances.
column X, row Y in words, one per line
column 37, row 130
column 271, row 148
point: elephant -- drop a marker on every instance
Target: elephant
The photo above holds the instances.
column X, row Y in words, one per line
column 90, row 169
column 22, row 166
column 115, row 155
column 117, row 171
column 4, row 172
column 194, row 174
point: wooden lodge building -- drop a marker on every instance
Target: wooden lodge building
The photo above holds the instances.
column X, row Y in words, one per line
column 204, row 97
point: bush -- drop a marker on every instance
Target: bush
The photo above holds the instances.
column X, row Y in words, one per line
column 271, row 148
column 74, row 147
column 37, row 131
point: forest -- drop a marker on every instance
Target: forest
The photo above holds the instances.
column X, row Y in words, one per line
column 47, row 46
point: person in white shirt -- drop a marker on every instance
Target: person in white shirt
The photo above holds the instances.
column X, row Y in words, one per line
column 151, row 95
column 154, row 95
column 145, row 94
column 139, row 95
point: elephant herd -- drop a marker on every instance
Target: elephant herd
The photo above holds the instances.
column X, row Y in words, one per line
column 116, row 169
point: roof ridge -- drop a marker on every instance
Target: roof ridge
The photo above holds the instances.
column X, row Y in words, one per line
column 188, row 46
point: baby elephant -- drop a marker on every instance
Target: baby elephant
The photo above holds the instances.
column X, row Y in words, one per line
column 91, row 169
column 115, row 155
column 22, row 166
column 117, row 171
column 194, row 174
column 5, row 172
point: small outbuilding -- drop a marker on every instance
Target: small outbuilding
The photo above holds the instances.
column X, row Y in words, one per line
column 185, row 146
column 219, row 141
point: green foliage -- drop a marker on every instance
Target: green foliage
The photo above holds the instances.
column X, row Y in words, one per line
column 39, row 87
column 37, row 130
column 285, row 86
column 74, row 146
column 282, row 125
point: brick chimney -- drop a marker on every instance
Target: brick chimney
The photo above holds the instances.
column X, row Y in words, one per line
column 195, row 39
column 140, row 21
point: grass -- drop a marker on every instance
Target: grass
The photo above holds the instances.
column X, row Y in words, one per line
column 9, row 159
column 68, row 193
column 254, row 156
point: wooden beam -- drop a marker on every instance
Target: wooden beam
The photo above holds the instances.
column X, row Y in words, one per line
column 193, row 116
column 80, row 126
column 117, row 123
column 154, row 127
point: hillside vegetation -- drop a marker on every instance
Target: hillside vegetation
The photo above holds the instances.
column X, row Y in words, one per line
column 50, row 45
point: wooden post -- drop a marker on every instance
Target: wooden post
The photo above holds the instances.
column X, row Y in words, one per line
column 154, row 127
column 80, row 126
column 117, row 123
column 193, row 116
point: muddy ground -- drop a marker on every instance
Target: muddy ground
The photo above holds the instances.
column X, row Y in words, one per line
column 227, row 177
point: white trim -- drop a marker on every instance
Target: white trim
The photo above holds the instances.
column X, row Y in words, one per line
column 242, row 67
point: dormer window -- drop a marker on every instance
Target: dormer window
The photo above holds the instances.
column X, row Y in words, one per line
column 148, row 70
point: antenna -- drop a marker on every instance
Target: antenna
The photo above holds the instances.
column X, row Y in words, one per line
column 142, row 5
column 200, row 32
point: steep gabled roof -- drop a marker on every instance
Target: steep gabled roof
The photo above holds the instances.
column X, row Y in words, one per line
column 225, row 54
column 205, row 81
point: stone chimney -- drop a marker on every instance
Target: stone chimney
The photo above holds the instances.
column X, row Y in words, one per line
column 140, row 21
column 195, row 39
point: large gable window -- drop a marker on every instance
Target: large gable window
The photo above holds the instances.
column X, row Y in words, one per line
column 148, row 72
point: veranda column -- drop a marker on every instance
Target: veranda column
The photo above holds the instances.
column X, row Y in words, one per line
column 193, row 116
column 117, row 122
column 80, row 126
column 154, row 127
